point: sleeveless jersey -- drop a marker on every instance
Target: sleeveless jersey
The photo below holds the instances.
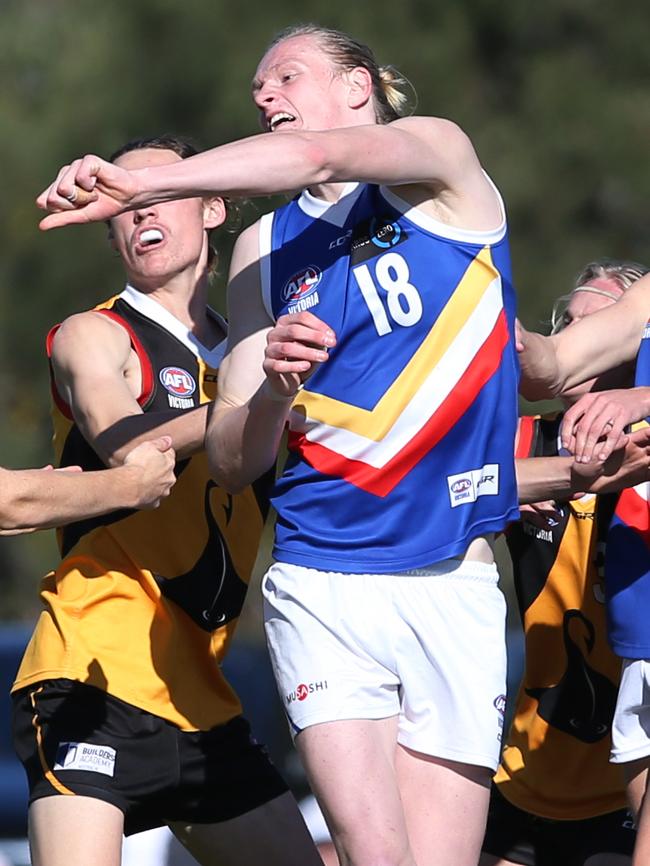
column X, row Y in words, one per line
column 628, row 553
column 144, row 603
column 556, row 760
column 401, row 445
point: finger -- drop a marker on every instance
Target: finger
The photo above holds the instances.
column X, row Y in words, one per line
column 596, row 423
column 79, row 197
column 307, row 329
column 162, row 443
column 286, row 366
column 292, row 351
column 519, row 336
column 569, row 422
column 76, row 216
column 640, row 437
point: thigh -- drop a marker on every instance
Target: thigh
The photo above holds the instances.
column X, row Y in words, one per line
column 75, row 740
column 351, row 768
column 273, row 834
column 75, row 831
column 451, row 659
column 445, row 805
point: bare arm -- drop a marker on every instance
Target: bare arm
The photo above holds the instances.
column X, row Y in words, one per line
column 424, row 151
column 255, row 393
column 600, row 342
column 559, row 478
column 98, row 376
column 42, row 498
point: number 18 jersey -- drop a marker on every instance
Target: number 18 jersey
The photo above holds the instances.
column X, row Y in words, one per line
column 401, row 445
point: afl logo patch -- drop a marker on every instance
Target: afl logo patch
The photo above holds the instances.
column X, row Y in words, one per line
column 302, row 284
column 177, row 381
column 461, row 485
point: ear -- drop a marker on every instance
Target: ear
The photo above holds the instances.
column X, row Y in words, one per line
column 214, row 212
column 360, row 87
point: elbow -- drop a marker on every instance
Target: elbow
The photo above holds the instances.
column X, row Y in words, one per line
column 227, row 475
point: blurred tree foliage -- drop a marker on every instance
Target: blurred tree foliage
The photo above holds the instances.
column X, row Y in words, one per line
column 555, row 97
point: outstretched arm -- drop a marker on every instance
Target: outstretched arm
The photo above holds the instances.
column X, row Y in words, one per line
column 42, row 498
column 416, row 150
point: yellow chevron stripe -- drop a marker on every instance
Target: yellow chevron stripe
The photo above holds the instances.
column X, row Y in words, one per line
column 375, row 423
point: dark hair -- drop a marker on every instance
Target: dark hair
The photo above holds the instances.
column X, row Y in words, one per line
column 183, row 147
column 390, row 100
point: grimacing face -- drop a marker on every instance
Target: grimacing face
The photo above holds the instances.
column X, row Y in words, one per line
column 297, row 86
column 159, row 241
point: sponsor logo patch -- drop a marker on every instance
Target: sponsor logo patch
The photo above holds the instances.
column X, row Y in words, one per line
column 375, row 236
column 85, row 756
column 301, row 285
column 177, row 381
column 467, row 486
column 304, row 690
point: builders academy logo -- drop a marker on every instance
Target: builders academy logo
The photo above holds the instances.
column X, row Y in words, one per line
column 85, row 756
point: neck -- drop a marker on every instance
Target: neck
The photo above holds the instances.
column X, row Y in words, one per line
column 186, row 298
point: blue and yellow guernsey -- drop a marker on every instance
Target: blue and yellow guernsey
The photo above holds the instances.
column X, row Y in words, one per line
column 627, row 568
column 402, row 444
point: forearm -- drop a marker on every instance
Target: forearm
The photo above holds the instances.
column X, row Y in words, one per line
column 256, row 166
column 242, row 442
column 545, row 478
column 411, row 150
column 187, row 432
column 40, row 499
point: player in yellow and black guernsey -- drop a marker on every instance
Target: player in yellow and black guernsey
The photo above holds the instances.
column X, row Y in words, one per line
column 557, row 799
column 123, row 718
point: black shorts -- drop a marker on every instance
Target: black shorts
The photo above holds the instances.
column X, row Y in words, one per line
column 76, row 739
column 521, row 837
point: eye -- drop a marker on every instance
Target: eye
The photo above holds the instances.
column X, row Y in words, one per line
column 287, row 76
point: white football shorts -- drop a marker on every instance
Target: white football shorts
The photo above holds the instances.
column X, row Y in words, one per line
column 426, row 645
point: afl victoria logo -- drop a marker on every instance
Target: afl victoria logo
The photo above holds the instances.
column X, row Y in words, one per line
column 302, row 284
column 461, row 485
column 177, row 381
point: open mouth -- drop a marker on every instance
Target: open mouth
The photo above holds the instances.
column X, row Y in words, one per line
column 278, row 119
column 150, row 238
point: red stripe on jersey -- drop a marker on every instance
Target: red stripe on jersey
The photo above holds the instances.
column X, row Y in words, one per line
column 146, row 370
column 526, row 435
column 381, row 481
column 633, row 511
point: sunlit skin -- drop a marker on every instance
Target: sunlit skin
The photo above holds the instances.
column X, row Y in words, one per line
column 294, row 79
column 179, row 258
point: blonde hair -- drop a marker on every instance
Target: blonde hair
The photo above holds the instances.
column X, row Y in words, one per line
column 621, row 273
column 389, row 86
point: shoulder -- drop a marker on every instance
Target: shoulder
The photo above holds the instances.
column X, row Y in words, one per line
column 87, row 332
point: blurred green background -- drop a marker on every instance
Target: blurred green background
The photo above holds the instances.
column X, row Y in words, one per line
column 555, row 96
